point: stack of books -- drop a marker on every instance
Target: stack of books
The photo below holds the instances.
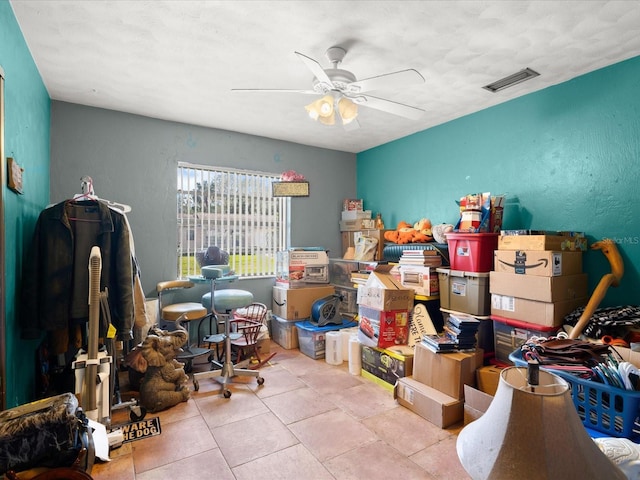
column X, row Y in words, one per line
column 422, row 258
column 439, row 343
column 360, row 277
column 462, row 329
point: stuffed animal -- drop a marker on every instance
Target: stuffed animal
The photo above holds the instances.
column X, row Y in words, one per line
column 420, row 232
column 163, row 385
column 440, row 231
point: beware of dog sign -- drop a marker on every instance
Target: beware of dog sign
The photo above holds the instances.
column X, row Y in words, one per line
column 141, row 429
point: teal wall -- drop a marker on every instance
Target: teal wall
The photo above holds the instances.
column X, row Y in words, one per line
column 27, row 113
column 566, row 157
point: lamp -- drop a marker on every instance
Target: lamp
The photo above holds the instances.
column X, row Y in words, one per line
column 348, row 110
column 531, row 432
column 323, row 110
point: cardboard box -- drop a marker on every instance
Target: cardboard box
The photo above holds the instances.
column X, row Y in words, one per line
column 294, row 304
column 476, row 403
column 550, row 314
column 383, row 329
column 300, row 267
column 385, row 366
column 541, row 289
column 422, row 280
column 538, row 262
column 465, row 292
column 384, row 292
column 446, row 372
column 356, row 214
column 440, row 409
column 572, row 241
column 629, row 355
column 487, row 379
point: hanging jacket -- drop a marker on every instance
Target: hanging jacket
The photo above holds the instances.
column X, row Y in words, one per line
column 50, row 278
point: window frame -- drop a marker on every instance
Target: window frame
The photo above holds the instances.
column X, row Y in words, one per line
column 235, row 210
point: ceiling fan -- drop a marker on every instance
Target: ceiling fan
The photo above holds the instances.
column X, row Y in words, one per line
column 342, row 92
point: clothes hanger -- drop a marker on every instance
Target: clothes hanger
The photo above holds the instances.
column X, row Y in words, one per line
column 88, row 193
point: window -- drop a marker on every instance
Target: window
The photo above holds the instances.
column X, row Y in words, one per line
column 233, row 210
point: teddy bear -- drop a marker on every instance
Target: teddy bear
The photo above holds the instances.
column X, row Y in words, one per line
column 163, row 384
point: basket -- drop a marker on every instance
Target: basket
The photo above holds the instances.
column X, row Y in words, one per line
column 603, row 408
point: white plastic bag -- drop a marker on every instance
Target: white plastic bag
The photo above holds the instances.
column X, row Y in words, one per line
column 365, row 248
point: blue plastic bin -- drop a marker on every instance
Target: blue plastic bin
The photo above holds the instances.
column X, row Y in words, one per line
column 603, row 408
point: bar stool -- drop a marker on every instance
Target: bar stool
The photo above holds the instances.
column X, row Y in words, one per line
column 183, row 311
column 225, row 301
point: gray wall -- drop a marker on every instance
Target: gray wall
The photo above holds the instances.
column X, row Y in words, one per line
column 133, row 160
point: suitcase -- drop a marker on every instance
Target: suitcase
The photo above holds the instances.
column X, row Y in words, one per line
column 52, row 432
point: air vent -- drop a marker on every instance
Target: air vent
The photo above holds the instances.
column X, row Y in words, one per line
column 511, row 80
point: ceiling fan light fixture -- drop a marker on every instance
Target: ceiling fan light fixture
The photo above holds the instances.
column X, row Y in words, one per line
column 321, row 109
column 348, row 110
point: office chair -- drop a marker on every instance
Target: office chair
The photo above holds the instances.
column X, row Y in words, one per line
column 183, row 311
column 222, row 303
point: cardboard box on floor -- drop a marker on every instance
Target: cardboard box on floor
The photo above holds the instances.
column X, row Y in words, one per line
column 384, row 292
column 476, row 403
column 487, row 379
column 385, row 365
column 446, row 372
column 431, row 404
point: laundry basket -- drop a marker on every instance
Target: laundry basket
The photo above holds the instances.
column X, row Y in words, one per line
column 606, row 409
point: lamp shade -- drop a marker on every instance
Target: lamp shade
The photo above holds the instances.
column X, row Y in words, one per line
column 322, row 110
column 348, row 110
column 532, row 432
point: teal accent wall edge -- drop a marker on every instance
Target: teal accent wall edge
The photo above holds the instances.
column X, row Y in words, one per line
column 27, row 114
column 566, row 157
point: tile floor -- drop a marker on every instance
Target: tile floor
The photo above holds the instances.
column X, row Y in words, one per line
column 310, row 420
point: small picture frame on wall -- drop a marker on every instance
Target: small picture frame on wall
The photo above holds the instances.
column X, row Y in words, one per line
column 14, row 176
column 290, row 189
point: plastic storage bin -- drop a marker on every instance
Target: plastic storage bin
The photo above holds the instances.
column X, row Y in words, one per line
column 311, row 339
column 465, row 292
column 472, row 252
column 606, row 409
column 509, row 334
column 284, row 333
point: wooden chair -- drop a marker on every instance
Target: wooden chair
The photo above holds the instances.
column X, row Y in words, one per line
column 255, row 313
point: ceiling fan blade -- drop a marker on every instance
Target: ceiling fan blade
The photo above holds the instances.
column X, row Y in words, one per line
column 400, row 109
column 316, row 69
column 389, row 80
column 274, row 90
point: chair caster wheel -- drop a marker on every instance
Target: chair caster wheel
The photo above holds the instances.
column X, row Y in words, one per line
column 260, row 380
column 196, row 385
column 227, row 394
column 135, row 416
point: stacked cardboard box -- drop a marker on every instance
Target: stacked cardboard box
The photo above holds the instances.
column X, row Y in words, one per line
column 537, row 280
column 383, row 308
column 290, row 305
column 436, row 389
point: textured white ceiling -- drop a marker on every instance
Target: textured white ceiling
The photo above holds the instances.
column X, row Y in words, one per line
column 179, row 60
